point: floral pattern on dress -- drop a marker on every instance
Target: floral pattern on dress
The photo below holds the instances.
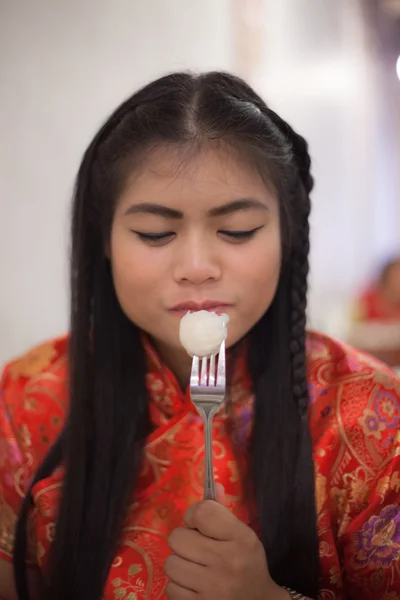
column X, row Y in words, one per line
column 353, row 414
column 378, row 542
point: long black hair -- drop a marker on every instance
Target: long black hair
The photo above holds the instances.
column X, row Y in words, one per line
column 102, row 443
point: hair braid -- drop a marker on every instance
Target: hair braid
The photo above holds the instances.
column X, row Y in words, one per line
column 299, row 273
column 299, row 262
column 300, row 151
column 305, row 507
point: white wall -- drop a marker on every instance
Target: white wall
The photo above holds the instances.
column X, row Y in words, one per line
column 64, row 66
column 319, row 72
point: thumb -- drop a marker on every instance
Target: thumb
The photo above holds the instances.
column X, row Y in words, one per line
column 220, row 493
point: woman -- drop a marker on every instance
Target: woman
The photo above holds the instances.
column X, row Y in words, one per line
column 195, row 192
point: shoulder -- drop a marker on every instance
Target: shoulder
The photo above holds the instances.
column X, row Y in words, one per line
column 46, row 356
column 33, row 398
column 354, row 407
column 339, row 363
column 355, row 427
column 354, row 421
column 35, row 377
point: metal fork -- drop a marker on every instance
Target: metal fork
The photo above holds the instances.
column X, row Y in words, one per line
column 208, row 393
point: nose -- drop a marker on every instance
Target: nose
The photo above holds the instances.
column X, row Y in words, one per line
column 197, row 262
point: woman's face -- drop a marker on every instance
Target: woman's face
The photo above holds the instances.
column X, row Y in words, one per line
column 203, row 234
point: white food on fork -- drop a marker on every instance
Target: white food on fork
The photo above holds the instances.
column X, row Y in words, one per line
column 202, row 332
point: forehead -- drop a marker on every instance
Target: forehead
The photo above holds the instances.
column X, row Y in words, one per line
column 201, row 179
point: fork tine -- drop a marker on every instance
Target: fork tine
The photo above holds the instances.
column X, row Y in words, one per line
column 221, row 377
column 207, row 398
column 211, row 377
column 203, row 377
column 194, row 374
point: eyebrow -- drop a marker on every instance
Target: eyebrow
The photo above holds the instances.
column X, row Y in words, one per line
column 154, row 209
column 218, row 211
column 236, row 205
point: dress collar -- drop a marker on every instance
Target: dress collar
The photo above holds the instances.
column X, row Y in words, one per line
column 167, row 400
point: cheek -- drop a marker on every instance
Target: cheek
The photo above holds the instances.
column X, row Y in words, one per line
column 260, row 265
column 258, row 273
column 133, row 263
column 136, row 278
column 128, row 271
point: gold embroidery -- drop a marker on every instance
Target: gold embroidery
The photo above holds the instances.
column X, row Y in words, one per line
column 335, row 576
column 359, row 492
column 382, row 486
column 340, row 467
column 117, row 562
column 350, row 450
column 8, row 520
column 128, row 589
column 326, row 595
column 388, row 381
column 395, row 482
column 340, row 498
column 320, row 491
column 371, row 425
column 25, row 436
column 234, row 476
column 325, row 549
column 33, row 362
column 50, row 531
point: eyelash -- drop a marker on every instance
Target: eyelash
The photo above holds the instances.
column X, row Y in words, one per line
column 241, row 235
column 154, row 237
column 159, row 238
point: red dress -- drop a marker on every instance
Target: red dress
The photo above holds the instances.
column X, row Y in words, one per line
column 354, row 420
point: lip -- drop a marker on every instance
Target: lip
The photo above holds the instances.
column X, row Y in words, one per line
column 210, row 305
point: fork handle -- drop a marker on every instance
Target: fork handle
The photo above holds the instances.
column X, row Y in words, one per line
column 210, row 492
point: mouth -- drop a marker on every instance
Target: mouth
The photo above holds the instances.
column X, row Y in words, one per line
column 210, row 305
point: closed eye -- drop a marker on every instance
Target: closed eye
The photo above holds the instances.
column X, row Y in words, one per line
column 158, row 238
column 163, row 237
column 240, row 235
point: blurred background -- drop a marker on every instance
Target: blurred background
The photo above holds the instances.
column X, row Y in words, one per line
column 328, row 67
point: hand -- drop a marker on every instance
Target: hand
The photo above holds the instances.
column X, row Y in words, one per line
column 217, row 557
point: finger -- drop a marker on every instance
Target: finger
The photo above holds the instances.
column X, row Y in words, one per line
column 220, row 493
column 176, row 592
column 214, row 521
column 192, row 545
column 184, row 573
